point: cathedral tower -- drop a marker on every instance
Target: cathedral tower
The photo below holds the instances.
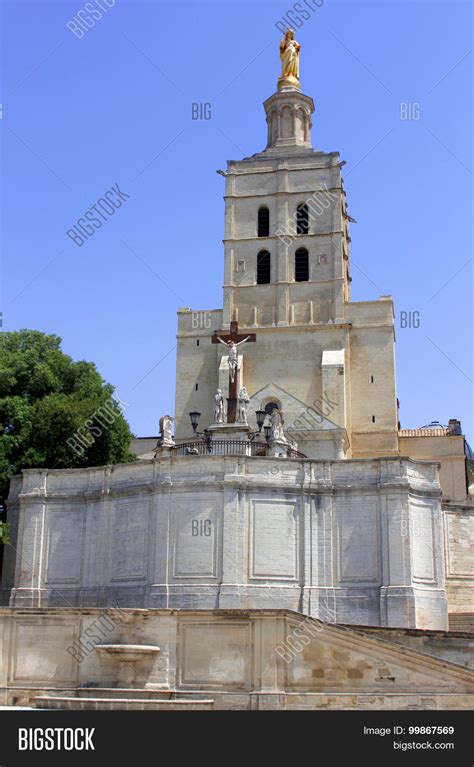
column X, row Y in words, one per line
column 326, row 362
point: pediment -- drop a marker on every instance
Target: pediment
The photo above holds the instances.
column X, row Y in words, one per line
column 298, row 415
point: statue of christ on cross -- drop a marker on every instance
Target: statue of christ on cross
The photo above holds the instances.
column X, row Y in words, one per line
column 232, row 341
column 233, row 359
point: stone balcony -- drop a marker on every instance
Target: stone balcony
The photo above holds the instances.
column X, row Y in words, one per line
column 230, row 447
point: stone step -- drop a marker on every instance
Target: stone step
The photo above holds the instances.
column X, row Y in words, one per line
column 127, row 692
column 73, row 703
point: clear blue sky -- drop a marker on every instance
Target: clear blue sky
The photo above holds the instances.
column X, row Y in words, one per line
column 115, row 106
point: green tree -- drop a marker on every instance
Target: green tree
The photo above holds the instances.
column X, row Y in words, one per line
column 54, row 412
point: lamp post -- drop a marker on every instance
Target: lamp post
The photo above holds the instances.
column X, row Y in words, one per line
column 194, row 416
column 204, row 435
column 260, row 415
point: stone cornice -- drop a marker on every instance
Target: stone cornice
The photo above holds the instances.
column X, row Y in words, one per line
column 300, row 239
column 287, row 329
column 273, row 163
column 304, row 193
column 271, row 483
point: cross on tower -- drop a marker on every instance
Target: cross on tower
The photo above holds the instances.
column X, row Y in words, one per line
column 232, row 340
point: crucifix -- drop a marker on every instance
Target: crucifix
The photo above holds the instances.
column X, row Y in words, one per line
column 232, row 341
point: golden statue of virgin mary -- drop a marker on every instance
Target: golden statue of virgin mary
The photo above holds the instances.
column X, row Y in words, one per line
column 290, row 58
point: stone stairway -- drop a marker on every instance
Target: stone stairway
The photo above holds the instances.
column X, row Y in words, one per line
column 123, row 699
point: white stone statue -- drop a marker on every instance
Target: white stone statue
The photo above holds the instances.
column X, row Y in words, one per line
column 233, row 355
column 166, row 438
column 276, row 427
column 339, row 445
column 244, row 400
column 218, row 407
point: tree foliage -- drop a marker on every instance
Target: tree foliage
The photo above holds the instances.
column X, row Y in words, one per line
column 54, row 412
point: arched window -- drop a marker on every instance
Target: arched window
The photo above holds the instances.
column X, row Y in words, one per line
column 301, row 265
column 263, row 227
column 302, row 219
column 263, row 267
column 271, row 406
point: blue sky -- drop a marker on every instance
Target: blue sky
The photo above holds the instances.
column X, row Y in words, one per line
column 116, row 106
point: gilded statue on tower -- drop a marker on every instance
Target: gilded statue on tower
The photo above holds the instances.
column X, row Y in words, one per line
column 290, row 60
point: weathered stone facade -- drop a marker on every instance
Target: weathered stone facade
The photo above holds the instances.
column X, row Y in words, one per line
column 459, row 556
column 217, row 659
column 200, row 581
column 297, row 323
column 347, row 541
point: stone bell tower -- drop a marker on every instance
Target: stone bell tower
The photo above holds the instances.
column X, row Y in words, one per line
column 287, row 280
column 286, row 239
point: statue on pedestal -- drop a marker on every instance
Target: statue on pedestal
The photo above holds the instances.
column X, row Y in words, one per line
column 232, row 341
column 244, row 400
column 339, row 445
column 166, row 438
column 219, row 407
column 276, row 427
column 290, row 58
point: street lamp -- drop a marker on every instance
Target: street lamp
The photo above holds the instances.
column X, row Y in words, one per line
column 204, row 435
column 260, row 414
column 194, row 416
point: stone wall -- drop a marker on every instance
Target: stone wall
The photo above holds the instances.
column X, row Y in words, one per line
column 449, row 451
column 348, row 541
column 239, row 659
column 459, row 555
